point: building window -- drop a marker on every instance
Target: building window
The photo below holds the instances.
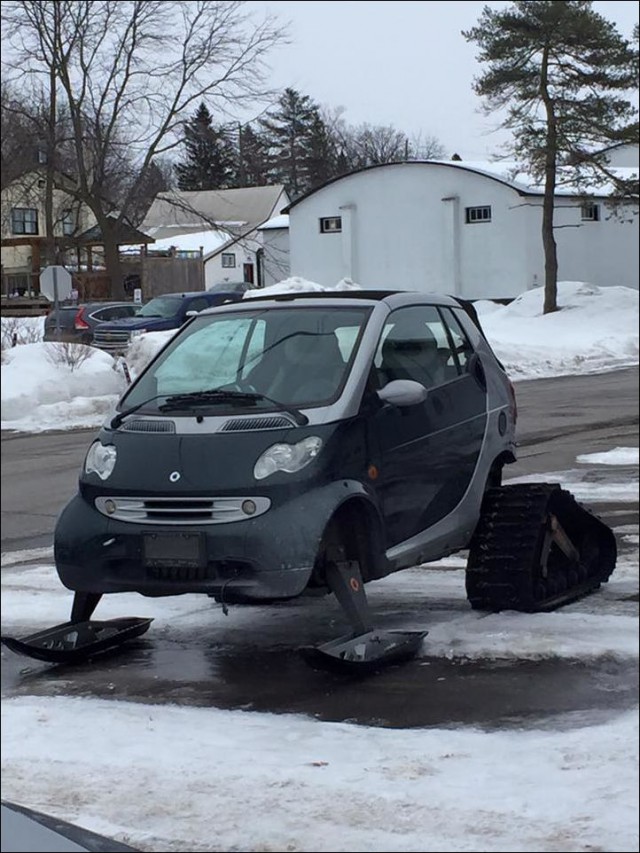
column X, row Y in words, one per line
column 331, row 225
column 478, row 214
column 68, row 223
column 228, row 260
column 590, row 212
column 24, row 220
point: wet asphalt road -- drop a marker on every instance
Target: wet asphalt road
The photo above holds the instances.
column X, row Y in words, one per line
column 259, row 669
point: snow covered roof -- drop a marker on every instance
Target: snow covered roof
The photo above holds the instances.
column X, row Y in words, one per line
column 245, row 208
column 209, row 241
column 506, row 172
column 281, row 221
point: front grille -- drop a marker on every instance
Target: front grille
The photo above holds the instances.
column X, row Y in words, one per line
column 111, row 341
column 241, row 424
column 178, row 510
column 140, row 425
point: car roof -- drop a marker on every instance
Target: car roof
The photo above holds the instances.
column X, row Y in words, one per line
column 352, row 298
column 182, row 294
column 394, row 298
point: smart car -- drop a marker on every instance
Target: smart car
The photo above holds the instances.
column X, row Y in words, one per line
column 308, row 443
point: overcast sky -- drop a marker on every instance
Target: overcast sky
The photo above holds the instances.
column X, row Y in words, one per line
column 402, row 63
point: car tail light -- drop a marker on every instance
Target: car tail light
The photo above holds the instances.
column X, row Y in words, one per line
column 514, row 405
column 79, row 323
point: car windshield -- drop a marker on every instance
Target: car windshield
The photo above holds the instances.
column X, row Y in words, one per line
column 293, row 356
column 161, row 306
column 230, row 287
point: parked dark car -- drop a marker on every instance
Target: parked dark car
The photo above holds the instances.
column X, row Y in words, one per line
column 78, row 322
column 307, row 443
column 158, row 315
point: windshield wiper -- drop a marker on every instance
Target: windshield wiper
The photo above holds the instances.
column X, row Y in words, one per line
column 219, row 395
column 117, row 420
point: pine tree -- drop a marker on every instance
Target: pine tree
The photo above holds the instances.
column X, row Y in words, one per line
column 210, row 158
column 288, row 129
column 563, row 73
column 253, row 158
column 321, row 159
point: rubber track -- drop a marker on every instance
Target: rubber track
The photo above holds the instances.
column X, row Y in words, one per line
column 505, row 568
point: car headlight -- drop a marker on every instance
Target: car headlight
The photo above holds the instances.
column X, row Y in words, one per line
column 101, row 460
column 135, row 333
column 287, row 457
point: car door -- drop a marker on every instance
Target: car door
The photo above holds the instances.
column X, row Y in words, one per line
column 426, row 453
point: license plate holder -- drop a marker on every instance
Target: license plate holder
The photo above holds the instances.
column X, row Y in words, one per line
column 183, row 550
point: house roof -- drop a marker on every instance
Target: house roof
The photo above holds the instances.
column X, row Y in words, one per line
column 503, row 172
column 280, row 221
column 239, row 210
column 126, row 235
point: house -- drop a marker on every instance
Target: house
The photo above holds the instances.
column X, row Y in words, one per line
column 471, row 229
column 25, row 243
column 274, row 257
column 234, row 215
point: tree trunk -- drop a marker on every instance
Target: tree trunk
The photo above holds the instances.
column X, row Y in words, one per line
column 112, row 259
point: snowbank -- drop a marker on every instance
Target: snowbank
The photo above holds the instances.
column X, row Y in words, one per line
column 596, row 329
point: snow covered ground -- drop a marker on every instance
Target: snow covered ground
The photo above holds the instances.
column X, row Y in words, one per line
column 176, row 778
column 596, row 329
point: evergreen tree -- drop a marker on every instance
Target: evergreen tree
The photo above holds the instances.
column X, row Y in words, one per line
column 288, row 129
column 563, row 73
column 321, row 159
column 253, row 158
column 210, row 158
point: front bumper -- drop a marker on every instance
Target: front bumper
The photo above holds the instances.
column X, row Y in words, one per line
column 264, row 557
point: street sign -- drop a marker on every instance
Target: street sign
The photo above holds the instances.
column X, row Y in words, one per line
column 55, row 283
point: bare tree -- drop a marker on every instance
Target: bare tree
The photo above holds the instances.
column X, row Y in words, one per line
column 128, row 71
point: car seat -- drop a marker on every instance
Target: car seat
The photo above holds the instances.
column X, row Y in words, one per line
column 410, row 351
column 306, row 367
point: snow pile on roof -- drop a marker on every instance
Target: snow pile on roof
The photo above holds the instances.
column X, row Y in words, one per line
column 295, row 284
column 595, row 329
column 281, row 221
column 209, row 241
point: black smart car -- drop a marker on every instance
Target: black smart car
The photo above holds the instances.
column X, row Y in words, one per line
column 315, row 442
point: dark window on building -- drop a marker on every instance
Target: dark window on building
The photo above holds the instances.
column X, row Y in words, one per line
column 478, row 214
column 24, row 220
column 68, row 223
column 331, row 225
column 590, row 212
column 228, row 260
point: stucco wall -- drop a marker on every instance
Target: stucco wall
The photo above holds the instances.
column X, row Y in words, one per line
column 404, row 226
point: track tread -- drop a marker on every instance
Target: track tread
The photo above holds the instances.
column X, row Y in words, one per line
column 504, row 569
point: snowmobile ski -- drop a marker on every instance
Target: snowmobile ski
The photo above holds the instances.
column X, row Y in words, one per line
column 72, row 642
column 365, row 652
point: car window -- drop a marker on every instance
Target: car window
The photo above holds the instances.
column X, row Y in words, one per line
column 198, row 304
column 461, row 344
column 109, row 312
column 415, row 345
column 161, row 306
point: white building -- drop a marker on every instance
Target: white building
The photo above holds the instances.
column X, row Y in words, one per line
column 455, row 227
column 222, row 224
column 274, row 256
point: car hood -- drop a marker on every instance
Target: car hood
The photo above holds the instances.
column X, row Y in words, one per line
column 132, row 323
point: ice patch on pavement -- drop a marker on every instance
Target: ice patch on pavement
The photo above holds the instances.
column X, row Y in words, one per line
column 617, row 456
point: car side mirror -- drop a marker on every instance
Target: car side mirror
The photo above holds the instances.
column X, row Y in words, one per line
column 191, row 313
column 403, row 392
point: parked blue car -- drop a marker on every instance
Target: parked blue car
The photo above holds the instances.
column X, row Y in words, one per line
column 159, row 314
